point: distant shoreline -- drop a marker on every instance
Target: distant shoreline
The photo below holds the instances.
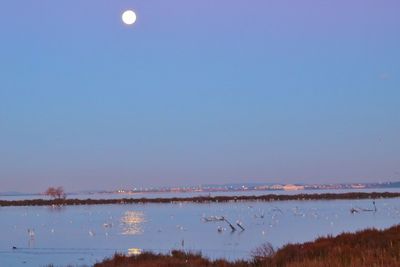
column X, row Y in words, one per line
column 201, row 199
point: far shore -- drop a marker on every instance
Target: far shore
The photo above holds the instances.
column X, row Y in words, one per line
column 200, row 199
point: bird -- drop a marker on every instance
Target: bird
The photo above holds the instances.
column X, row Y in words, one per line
column 31, row 233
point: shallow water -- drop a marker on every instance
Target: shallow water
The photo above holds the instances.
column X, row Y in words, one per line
column 80, row 235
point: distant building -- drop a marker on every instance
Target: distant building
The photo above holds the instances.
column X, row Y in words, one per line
column 291, row 187
column 262, row 187
column 358, row 186
column 277, row 187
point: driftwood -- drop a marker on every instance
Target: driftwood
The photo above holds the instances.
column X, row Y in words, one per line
column 213, row 218
column 240, row 225
column 358, row 209
column 230, row 225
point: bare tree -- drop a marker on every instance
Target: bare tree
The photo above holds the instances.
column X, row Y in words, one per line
column 56, row 193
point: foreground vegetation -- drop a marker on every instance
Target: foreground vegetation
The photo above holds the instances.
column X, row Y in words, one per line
column 372, row 248
column 199, row 199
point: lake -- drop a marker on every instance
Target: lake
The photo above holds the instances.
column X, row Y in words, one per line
column 82, row 235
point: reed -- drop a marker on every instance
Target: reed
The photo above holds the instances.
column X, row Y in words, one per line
column 371, row 247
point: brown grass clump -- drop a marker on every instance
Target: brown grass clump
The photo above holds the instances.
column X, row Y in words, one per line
column 175, row 259
column 371, row 248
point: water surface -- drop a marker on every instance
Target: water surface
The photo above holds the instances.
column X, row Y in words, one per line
column 82, row 235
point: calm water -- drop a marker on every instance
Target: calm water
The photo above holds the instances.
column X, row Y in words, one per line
column 193, row 194
column 82, row 235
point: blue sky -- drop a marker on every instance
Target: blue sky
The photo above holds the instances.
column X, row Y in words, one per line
column 198, row 92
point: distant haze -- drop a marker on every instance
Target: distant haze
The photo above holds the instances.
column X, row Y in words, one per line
column 198, row 92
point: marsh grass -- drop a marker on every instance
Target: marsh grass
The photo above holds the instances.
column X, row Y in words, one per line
column 370, row 248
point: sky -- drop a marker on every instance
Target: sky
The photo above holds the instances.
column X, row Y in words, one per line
column 198, row 92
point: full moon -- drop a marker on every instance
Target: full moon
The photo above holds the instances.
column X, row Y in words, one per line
column 129, row 17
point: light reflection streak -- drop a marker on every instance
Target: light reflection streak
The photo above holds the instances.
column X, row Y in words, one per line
column 134, row 251
column 132, row 222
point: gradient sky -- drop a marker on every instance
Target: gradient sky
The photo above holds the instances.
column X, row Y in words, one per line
column 198, row 92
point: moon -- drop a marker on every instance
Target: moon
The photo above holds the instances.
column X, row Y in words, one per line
column 129, row 17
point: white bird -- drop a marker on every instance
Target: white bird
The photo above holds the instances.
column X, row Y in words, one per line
column 31, row 233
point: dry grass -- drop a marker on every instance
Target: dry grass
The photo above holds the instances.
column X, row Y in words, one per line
column 372, row 248
column 175, row 259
